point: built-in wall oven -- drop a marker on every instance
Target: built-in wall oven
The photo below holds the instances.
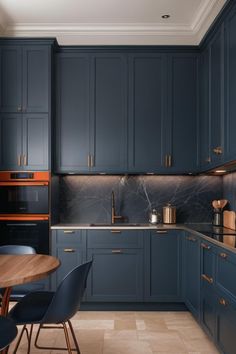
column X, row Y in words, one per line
column 24, row 209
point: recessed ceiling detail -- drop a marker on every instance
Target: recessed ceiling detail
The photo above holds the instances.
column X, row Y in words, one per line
column 110, row 22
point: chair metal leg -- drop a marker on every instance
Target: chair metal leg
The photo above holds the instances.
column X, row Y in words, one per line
column 28, row 335
column 68, row 348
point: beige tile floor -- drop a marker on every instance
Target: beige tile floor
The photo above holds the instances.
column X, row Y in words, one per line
column 132, row 333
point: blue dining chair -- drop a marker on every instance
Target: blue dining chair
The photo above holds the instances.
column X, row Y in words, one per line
column 8, row 332
column 48, row 308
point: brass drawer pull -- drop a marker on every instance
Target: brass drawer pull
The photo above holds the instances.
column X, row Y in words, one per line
column 191, row 238
column 115, row 231
column 69, row 232
column 169, row 161
column 223, row 255
column 217, row 150
column 69, row 250
column 206, row 247
column 116, row 251
column 19, row 160
column 161, row 232
column 223, row 302
column 208, row 279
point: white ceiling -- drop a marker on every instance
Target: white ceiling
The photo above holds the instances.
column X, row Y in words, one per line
column 98, row 22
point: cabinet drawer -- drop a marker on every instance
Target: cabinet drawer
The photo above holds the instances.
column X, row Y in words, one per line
column 226, row 271
column 68, row 237
column 115, row 238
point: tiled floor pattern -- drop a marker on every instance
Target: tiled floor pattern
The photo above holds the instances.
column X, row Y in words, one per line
column 132, row 333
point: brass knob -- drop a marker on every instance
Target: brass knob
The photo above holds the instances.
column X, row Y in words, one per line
column 217, row 150
column 206, row 247
column 223, row 302
column 223, row 255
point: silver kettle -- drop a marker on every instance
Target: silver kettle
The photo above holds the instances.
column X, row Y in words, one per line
column 154, row 217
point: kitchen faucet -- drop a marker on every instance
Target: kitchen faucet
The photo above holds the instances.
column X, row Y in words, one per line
column 114, row 217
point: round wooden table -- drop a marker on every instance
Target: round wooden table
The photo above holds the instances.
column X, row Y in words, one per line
column 21, row 269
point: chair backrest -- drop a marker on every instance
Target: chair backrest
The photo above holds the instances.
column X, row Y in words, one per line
column 17, row 249
column 68, row 295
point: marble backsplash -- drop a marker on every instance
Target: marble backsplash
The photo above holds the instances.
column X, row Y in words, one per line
column 87, row 199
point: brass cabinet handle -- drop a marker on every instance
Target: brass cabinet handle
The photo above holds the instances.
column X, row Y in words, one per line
column 115, row 231
column 217, row 150
column 19, row 109
column 88, row 160
column 91, row 161
column 18, row 160
column 69, row 250
column 166, row 160
column 69, row 232
column 208, row 279
column 24, row 160
column 206, row 247
column 116, row 251
column 223, row 302
column 223, row 255
column 169, row 161
column 191, row 238
column 208, row 159
column 161, row 232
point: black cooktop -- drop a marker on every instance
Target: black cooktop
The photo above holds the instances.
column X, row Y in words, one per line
column 221, row 234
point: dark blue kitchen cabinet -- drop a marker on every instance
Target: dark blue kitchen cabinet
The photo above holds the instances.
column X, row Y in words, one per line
column 226, row 271
column 91, row 113
column 116, row 275
column 73, row 110
column 230, row 86
column 117, row 272
column 25, row 78
column 182, row 113
column 216, row 96
column 109, row 124
column 148, row 128
column 191, row 273
column 204, row 122
column 163, row 266
column 208, row 296
column 226, row 323
column 24, row 141
column 69, row 246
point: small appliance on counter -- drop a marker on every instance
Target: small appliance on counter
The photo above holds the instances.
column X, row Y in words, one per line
column 154, row 217
column 169, row 214
column 218, row 206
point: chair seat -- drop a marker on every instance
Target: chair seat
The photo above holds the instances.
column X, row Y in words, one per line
column 8, row 331
column 32, row 308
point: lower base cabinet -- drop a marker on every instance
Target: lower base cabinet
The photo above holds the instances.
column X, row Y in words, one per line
column 208, row 311
column 163, row 280
column 116, row 275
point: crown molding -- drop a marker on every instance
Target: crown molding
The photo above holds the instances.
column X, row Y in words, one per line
column 120, row 33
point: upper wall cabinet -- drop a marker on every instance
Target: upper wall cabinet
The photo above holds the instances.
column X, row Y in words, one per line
column 91, row 113
column 230, row 86
column 25, row 79
column 182, row 113
column 148, row 126
column 25, row 104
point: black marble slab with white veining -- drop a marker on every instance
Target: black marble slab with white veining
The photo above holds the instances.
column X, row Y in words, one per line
column 87, row 199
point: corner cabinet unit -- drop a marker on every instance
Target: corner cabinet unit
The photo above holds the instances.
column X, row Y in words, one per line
column 163, row 269
column 25, row 104
column 91, row 113
column 117, row 272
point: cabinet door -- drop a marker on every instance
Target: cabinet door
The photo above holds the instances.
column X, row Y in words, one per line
column 208, row 310
column 72, row 105
column 11, row 141
column 230, row 86
column 109, row 113
column 147, row 112
column 163, row 266
column 11, row 77
column 217, row 96
column 191, row 274
column 226, row 324
column 116, row 275
column 36, row 76
column 182, row 106
column 35, row 142
column 204, row 122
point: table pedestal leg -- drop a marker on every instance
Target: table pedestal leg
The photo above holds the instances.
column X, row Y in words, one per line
column 4, row 309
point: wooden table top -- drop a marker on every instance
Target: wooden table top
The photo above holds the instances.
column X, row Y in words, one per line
column 20, row 269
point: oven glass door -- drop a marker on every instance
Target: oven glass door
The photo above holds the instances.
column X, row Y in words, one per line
column 23, row 199
column 33, row 233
